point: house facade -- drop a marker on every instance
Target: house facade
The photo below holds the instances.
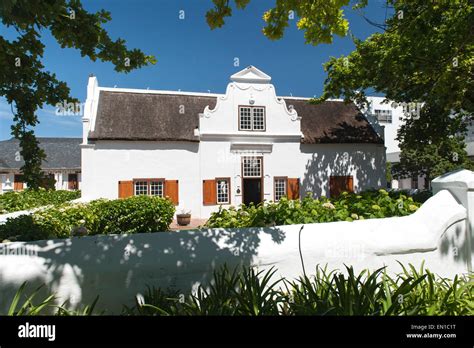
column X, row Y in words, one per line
column 205, row 150
column 62, row 164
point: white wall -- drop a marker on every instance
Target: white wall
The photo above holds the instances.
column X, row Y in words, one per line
column 390, row 129
column 61, row 177
column 107, row 163
column 6, row 182
column 118, row 267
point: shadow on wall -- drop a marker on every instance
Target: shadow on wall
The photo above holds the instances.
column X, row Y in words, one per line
column 112, row 267
column 365, row 162
column 148, row 145
column 455, row 245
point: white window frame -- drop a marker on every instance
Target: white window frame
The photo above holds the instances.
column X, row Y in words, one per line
column 226, row 194
column 148, row 183
column 383, row 116
column 279, row 195
column 249, row 174
column 253, row 110
column 141, row 184
column 161, row 187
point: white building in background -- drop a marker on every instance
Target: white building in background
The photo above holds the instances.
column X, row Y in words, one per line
column 390, row 117
column 387, row 119
column 204, row 150
column 62, row 163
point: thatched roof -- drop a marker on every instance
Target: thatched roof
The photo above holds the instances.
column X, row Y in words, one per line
column 333, row 122
column 147, row 116
column 173, row 117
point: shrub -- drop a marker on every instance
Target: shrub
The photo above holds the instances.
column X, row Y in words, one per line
column 346, row 207
column 249, row 292
column 132, row 215
column 27, row 199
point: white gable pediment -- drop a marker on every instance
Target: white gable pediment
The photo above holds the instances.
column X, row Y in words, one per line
column 251, row 75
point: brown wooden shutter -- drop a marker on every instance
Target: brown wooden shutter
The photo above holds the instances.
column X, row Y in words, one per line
column 18, row 182
column 172, row 190
column 125, row 189
column 209, row 195
column 293, row 188
column 339, row 184
column 350, row 184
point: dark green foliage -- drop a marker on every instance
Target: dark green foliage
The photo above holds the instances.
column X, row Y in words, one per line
column 27, row 199
column 23, row 305
column 240, row 292
column 422, row 54
column 24, row 82
column 249, row 292
column 137, row 214
column 347, row 207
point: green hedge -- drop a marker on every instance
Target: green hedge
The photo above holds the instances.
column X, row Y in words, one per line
column 27, row 199
column 347, row 207
column 132, row 215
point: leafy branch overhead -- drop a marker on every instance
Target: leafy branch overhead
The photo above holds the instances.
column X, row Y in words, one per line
column 423, row 54
column 26, row 84
column 319, row 19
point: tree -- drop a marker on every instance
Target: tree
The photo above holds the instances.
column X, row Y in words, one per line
column 433, row 147
column 23, row 80
column 424, row 55
column 319, row 19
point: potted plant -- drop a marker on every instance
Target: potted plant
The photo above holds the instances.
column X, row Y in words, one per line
column 184, row 218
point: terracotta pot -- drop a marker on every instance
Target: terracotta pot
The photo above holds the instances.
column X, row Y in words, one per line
column 183, row 219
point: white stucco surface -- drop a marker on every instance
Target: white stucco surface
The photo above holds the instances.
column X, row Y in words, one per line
column 119, row 267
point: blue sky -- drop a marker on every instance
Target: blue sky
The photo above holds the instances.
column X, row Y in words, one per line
column 190, row 56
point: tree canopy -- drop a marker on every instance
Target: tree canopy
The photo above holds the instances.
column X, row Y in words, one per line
column 424, row 54
column 24, row 81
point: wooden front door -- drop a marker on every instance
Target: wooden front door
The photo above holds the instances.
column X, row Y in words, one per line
column 18, row 182
column 252, row 191
column 72, row 182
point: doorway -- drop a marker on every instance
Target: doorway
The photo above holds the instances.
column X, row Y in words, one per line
column 252, row 191
column 252, row 180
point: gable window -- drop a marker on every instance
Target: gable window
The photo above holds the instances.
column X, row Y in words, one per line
column 252, row 118
column 222, row 191
column 252, row 167
column 280, row 188
column 383, row 116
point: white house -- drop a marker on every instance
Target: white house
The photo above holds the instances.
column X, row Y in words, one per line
column 204, row 150
column 390, row 117
column 62, row 163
